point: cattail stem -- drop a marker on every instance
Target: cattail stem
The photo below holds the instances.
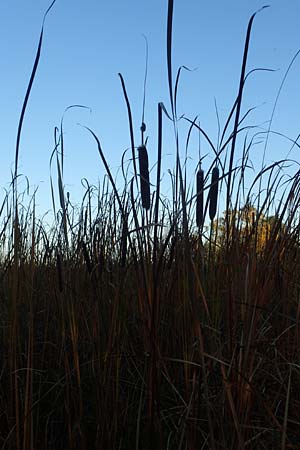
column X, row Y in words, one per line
column 199, row 203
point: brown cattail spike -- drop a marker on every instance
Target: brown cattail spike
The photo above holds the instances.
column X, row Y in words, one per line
column 199, row 203
column 213, row 193
column 144, row 176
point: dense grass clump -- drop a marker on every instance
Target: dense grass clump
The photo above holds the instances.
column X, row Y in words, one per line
column 139, row 321
column 201, row 346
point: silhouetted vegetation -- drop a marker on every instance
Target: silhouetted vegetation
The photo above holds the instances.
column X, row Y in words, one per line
column 152, row 322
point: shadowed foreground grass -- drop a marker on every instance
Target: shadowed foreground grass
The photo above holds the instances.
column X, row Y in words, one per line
column 198, row 349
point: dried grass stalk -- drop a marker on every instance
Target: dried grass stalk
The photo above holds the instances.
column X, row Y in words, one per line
column 59, row 272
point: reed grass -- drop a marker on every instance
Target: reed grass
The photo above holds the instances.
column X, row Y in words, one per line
column 126, row 329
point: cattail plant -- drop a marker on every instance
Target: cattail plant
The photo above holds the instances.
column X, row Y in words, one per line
column 213, row 193
column 199, row 203
column 144, row 176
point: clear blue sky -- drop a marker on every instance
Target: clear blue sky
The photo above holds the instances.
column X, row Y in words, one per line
column 86, row 43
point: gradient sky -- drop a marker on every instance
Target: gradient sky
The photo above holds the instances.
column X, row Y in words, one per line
column 86, row 43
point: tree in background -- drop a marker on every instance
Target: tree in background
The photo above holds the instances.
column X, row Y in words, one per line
column 246, row 226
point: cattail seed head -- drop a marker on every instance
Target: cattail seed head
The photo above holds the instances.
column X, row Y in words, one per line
column 144, row 176
column 213, row 193
column 199, row 202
